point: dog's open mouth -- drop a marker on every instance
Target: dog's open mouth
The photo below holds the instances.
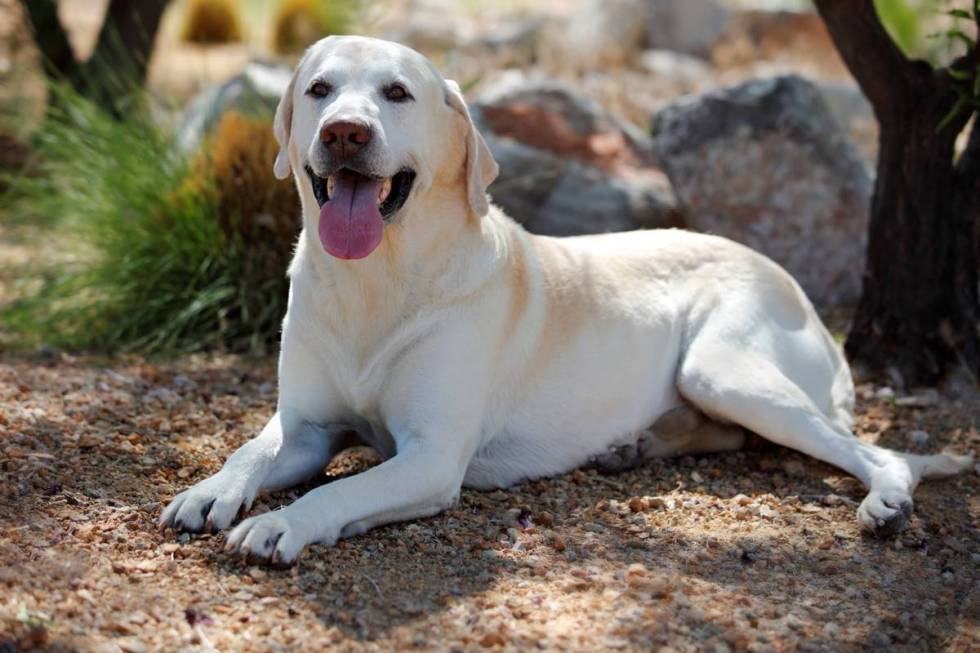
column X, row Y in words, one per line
column 391, row 196
column 355, row 207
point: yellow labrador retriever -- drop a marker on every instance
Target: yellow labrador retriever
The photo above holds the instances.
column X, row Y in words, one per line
column 469, row 352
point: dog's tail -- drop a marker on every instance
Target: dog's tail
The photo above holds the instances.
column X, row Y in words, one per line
column 940, row 465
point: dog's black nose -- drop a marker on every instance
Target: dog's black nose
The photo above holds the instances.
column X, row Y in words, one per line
column 345, row 138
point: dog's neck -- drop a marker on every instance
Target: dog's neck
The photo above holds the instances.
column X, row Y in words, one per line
column 434, row 253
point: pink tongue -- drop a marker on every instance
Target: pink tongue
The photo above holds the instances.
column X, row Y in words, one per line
column 350, row 223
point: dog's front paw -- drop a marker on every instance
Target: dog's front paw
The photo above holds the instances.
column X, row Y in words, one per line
column 275, row 537
column 209, row 506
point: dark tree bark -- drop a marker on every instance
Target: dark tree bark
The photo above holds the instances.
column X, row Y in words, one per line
column 918, row 311
column 123, row 49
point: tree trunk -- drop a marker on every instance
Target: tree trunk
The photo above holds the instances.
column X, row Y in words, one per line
column 56, row 53
column 908, row 278
column 918, row 310
column 121, row 55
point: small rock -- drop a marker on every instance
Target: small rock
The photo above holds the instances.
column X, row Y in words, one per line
column 918, row 438
column 793, row 468
column 656, row 503
column 929, row 397
column 885, row 393
column 675, row 65
column 634, row 573
column 741, row 500
column 636, row 504
column 767, row 512
column 493, row 639
column 132, row 645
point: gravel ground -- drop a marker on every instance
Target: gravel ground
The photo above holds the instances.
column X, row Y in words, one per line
column 751, row 551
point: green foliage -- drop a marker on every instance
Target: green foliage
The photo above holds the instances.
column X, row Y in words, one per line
column 965, row 77
column 152, row 266
column 927, row 29
column 903, row 21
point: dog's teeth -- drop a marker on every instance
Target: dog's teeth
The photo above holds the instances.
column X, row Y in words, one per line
column 330, row 185
column 385, row 190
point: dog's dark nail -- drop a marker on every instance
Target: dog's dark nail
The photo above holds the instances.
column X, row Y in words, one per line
column 206, row 509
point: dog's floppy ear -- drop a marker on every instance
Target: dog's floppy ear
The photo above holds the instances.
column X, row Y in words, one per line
column 481, row 169
column 282, row 127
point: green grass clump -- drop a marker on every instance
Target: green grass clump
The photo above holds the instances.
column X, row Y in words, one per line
column 210, row 22
column 150, row 265
column 300, row 23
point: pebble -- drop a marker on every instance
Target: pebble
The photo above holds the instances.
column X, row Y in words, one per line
column 767, row 512
column 885, row 393
column 928, row 398
column 831, row 629
column 917, row 438
column 741, row 499
column 656, row 503
column 132, row 645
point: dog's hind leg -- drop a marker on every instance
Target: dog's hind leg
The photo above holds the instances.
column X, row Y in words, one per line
column 680, row 431
column 748, row 389
column 685, row 430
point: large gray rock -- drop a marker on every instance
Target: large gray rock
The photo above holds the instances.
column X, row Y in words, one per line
column 566, row 166
column 766, row 164
column 253, row 92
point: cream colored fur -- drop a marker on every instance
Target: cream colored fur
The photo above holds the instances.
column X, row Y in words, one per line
column 470, row 352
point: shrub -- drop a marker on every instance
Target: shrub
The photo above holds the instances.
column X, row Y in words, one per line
column 251, row 205
column 163, row 258
column 298, row 23
column 211, row 21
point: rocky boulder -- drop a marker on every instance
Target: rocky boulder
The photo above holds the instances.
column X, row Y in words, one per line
column 568, row 167
column 766, row 164
column 253, row 92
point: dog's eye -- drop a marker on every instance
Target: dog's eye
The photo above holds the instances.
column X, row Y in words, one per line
column 397, row 93
column 319, row 89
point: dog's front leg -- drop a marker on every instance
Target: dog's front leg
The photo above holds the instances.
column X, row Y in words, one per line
column 286, row 452
column 423, row 479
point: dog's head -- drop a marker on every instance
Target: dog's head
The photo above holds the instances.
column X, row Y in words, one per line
column 370, row 128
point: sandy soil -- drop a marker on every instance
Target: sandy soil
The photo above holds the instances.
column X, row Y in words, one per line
column 750, row 551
